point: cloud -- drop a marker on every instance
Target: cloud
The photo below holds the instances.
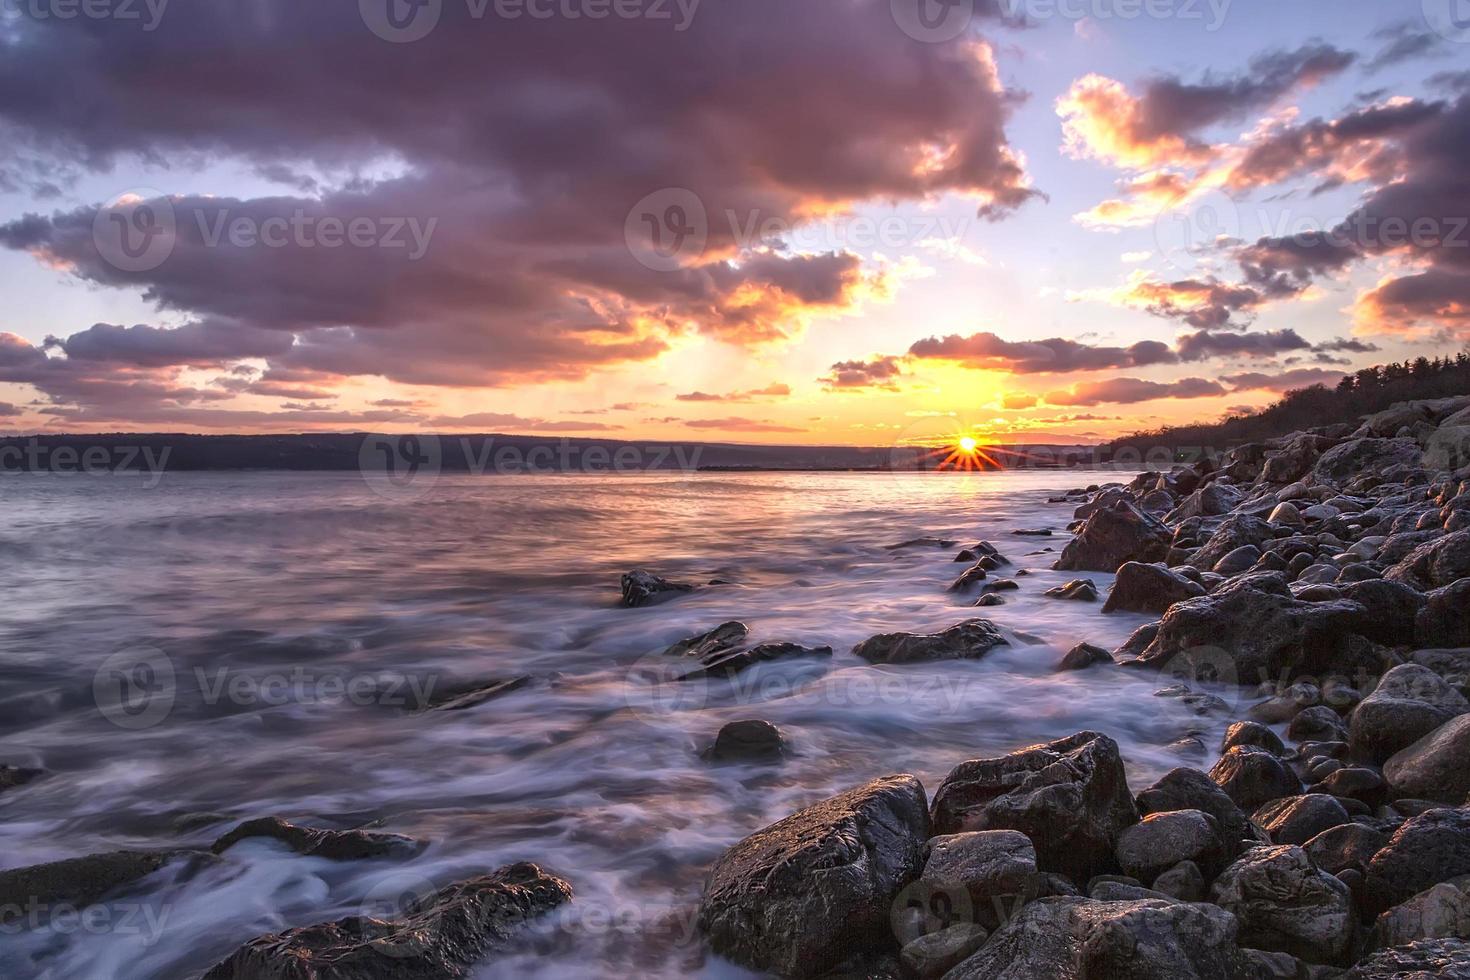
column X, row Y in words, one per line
column 1052, row 356
column 1285, row 381
column 1128, row 391
column 196, row 344
column 515, row 423
column 1205, row 344
column 878, row 373
column 1017, row 401
column 1405, row 42
column 736, row 424
column 773, row 390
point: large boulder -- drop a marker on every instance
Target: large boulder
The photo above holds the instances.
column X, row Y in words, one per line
column 1070, row 797
column 1287, row 905
column 1190, row 789
column 1251, row 776
column 989, row 872
column 1435, row 564
column 1149, row 588
column 1161, row 840
column 1235, row 532
column 1082, row 939
column 1444, row 620
column 1295, row 459
column 1427, row 849
column 1348, row 845
column 439, row 938
column 1440, row 912
column 1437, row 767
column 970, row 640
column 1409, row 702
column 1209, row 501
column 1298, row 819
column 1357, row 457
column 1114, row 535
column 1393, row 608
column 1259, row 628
column 807, row 892
column 1427, row 959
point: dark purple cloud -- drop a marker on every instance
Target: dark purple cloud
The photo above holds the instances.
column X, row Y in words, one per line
column 1128, row 391
column 1052, row 356
column 880, row 373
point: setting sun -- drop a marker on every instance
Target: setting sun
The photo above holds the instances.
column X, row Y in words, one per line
column 968, row 445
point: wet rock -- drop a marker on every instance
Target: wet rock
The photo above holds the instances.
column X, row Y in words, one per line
column 1348, row 845
column 1184, row 882
column 1114, row 535
column 76, row 882
column 1252, row 776
column 1084, row 655
column 1081, row 590
column 1236, row 531
column 726, row 636
column 1149, row 588
column 1286, row 513
column 1237, row 561
column 1288, row 704
column 730, row 663
column 932, row 956
column 1410, row 702
column 970, row 640
column 1070, row 797
column 1252, row 733
column 1447, row 959
column 1444, row 619
column 1211, row 501
column 989, row 599
column 1440, row 912
column 804, row 894
column 969, row 578
column 1434, row 564
column 1285, row 904
column 1427, row 849
column 1033, row 533
column 461, row 697
column 1162, row 840
column 749, row 740
column 641, row 588
column 13, row 776
column 1353, row 783
column 439, row 938
column 1341, row 463
column 335, row 845
column 1297, row 819
column 1001, row 585
column 1076, row 938
column 1318, row 723
column 1190, row 789
column 1393, row 608
column 991, row 873
column 1436, row 767
column 922, row 542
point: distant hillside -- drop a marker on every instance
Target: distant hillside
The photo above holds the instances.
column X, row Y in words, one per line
column 1369, row 390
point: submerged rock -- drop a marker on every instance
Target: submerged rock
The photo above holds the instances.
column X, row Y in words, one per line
column 13, row 776
column 1082, row 590
column 1084, row 655
column 970, row 640
column 439, row 938
column 335, row 845
column 730, row 663
column 726, row 636
column 471, row 694
column 642, row 588
column 806, row 893
column 743, row 741
column 76, row 882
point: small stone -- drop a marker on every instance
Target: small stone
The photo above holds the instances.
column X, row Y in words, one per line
column 752, row 739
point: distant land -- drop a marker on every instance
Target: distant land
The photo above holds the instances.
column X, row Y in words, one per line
column 489, row 453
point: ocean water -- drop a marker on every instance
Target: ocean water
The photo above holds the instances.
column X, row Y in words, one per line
column 220, row 647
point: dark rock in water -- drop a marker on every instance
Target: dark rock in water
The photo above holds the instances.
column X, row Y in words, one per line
column 469, row 695
column 1252, row 776
column 1285, row 904
column 1033, row 533
column 1084, row 655
column 13, row 776
column 1079, row 939
column 1113, row 536
column 1445, row 618
column 1259, row 628
column 1446, row 959
column 1136, row 643
column 969, row 578
column 642, row 588
column 804, row 894
column 1318, row 723
column 741, row 741
column 1435, row 564
column 1070, row 797
column 1437, row 767
column 1081, row 590
column 335, row 845
column 1410, row 702
column 1252, row 733
column 77, row 882
column 990, row 599
column 1149, row 588
column 1162, row 840
column 1348, row 845
column 922, row 543
column 730, row 663
column 970, row 640
column 1000, row 585
column 726, row 636
column 1297, row 819
column 1427, row 849
column 1190, row 789
column 1357, row 456
column 440, row 938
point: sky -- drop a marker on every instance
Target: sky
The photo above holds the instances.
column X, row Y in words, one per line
column 763, row 221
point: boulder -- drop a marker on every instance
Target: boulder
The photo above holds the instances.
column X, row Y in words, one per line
column 335, row 845
column 1286, row 513
column 1393, row 608
column 1295, row 459
column 1348, row 845
column 1444, row 619
column 1297, row 819
column 990, row 872
column 1070, row 797
column 726, row 636
column 1149, row 588
column 748, row 740
column 1437, row 767
column 970, row 640
column 1081, row 590
column 1242, row 559
column 439, row 938
column 807, row 892
column 1285, row 904
column 1355, row 457
column 1081, row 939
column 1440, row 912
column 1425, row 850
column 1434, row 564
column 1184, row 882
column 1261, row 628
column 1252, row 733
column 1252, row 776
column 969, row 578
column 1210, row 501
column 1318, row 723
column 933, row 955
column 1410, row 702
column 1084, row 655
column 1427, row 959
column 1160, row 841
column 642, row 588
column 1236, row 531
column 1190, row 789
column 75, row 882
column 1114, row 535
